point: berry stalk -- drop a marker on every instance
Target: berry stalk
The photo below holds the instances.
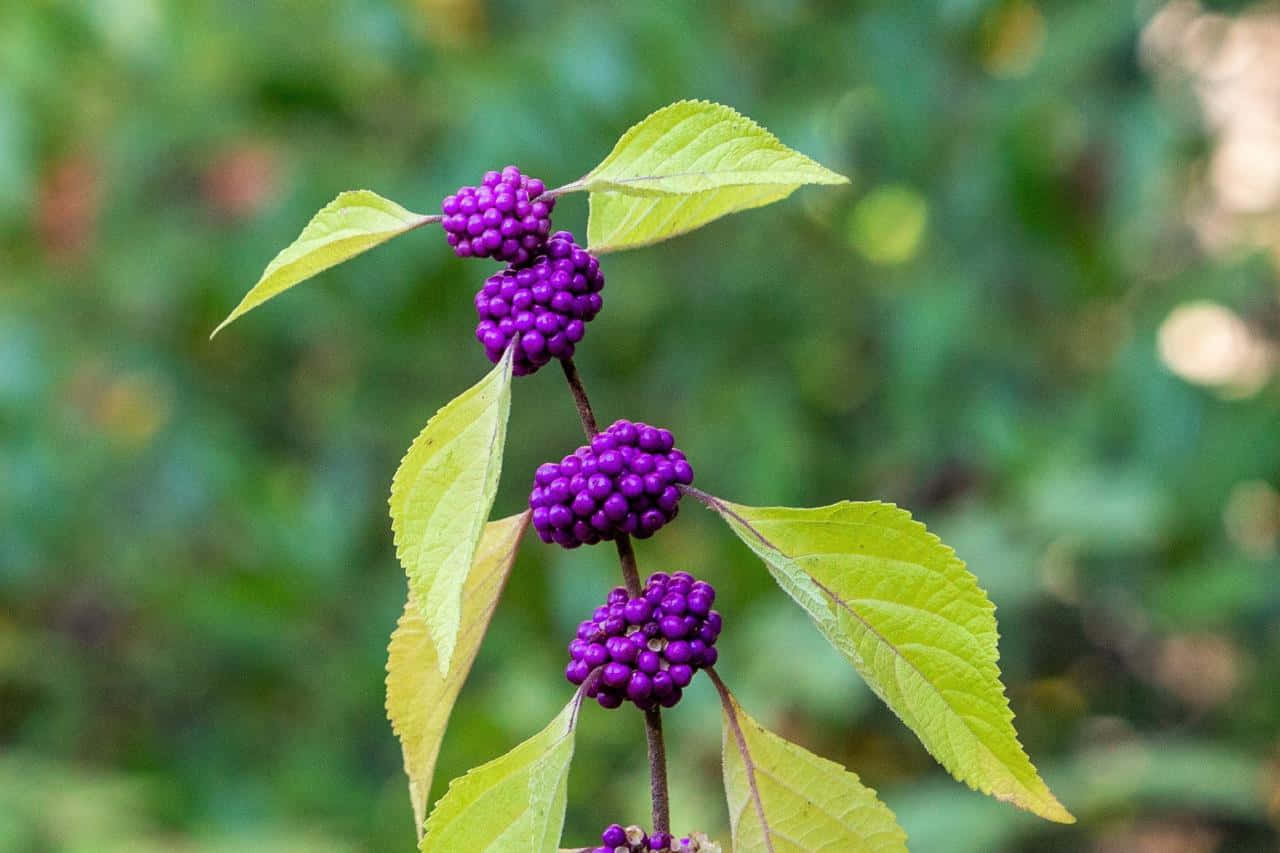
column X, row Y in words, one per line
column 585, row 414
column 657, row 770
column 631, row 576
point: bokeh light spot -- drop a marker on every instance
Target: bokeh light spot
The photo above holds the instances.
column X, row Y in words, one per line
column 888, row 225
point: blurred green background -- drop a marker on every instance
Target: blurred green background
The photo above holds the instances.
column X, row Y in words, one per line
column 1044, row 317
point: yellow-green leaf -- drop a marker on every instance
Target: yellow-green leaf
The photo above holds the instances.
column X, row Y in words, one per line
column 620, row 221
column 685, row 165
column 440, row 497
column 352, row 223
column 784, row 799
column 515, row 802
column 419, row 698
column 902, row 607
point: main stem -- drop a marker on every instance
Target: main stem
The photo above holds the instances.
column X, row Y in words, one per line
column 631, row 576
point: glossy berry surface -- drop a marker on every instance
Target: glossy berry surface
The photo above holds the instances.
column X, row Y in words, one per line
column 541, row 308
column 632, row 839
column 623, row 483
column 503, row 218
column 647, row 649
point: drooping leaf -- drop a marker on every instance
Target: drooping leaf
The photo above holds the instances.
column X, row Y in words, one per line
column 440, row 497
column 902, row 607
column 784, row 799
column 419, row 699
column 685, row 165
column 352, row 223
column 515, row 802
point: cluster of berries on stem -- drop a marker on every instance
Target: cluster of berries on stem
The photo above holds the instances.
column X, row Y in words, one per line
column 503, row 218
column 632, row 839
column 627, row 482
column 624, row 483
column 647, row 648
column 541, row 308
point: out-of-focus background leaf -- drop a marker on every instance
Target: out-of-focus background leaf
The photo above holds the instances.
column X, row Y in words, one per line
column 1045, row 317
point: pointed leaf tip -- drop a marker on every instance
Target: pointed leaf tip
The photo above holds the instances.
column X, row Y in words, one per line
column 685, row 165
column 440, row 497
column 354, row 222
column 905, row 611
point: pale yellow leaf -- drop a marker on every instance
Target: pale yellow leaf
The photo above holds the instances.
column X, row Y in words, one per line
column 419, row 699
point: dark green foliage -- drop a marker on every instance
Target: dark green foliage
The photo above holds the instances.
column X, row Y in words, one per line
column 196, row 578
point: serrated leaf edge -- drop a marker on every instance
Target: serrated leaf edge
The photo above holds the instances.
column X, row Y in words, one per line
column 740, row 123
column 492, row 470
column 725, row 508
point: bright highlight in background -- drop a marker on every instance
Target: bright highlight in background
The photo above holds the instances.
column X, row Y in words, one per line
column 1207, row 344
column 888, row 224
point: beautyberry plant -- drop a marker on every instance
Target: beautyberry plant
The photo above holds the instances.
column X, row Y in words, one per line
column 886, row 593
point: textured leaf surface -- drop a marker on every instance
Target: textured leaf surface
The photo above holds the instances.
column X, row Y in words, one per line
column 902, row 607
column 784, row 799
column 352, row 223
column 627, row 222
column 419, row 698
column 515, row 802
column 685, row 165
column 440, row 497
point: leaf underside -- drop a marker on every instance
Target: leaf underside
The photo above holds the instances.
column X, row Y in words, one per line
column 905, row 611
column 352, row 223
column 440, row 497
column 515, row 802
column 684, row 166
column 419, row 699
column 784, row 799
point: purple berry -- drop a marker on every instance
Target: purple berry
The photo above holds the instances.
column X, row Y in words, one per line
column 610, row 488
column 533, row 297
column 645, row 653
column 486, row 221
column 614, row 836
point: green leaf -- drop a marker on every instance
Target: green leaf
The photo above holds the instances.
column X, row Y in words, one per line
column 440, row 497
column 902, row 607
column 784, row 798
column 619, row 221
column 419, row 698
column 515, row 802
column 685, row 165
column 352, row 223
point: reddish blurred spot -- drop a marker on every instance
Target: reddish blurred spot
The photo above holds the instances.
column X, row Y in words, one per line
column 240, row 181
column 1175, row 834
column 1202, row 670
column 67, row 208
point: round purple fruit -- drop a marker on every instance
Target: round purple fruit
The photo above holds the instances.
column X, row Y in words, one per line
column 504, row 218
column 626, row 482
column 646, row 650
column 541, row 308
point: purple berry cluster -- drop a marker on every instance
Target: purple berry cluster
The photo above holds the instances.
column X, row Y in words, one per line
column 624, row 483
column 503, row 218
column 632, row 839
column 649, row 647
column 542, row 307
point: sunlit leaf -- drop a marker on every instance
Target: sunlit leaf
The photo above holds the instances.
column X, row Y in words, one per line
column 515, row 802
column 684, row 166
column 627, row 222
column 784, row 799
column 902, row 607
column 352, row 223
column 419, row 699
column 440, row 497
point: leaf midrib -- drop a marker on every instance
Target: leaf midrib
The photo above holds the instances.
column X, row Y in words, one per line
column 840, row 602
